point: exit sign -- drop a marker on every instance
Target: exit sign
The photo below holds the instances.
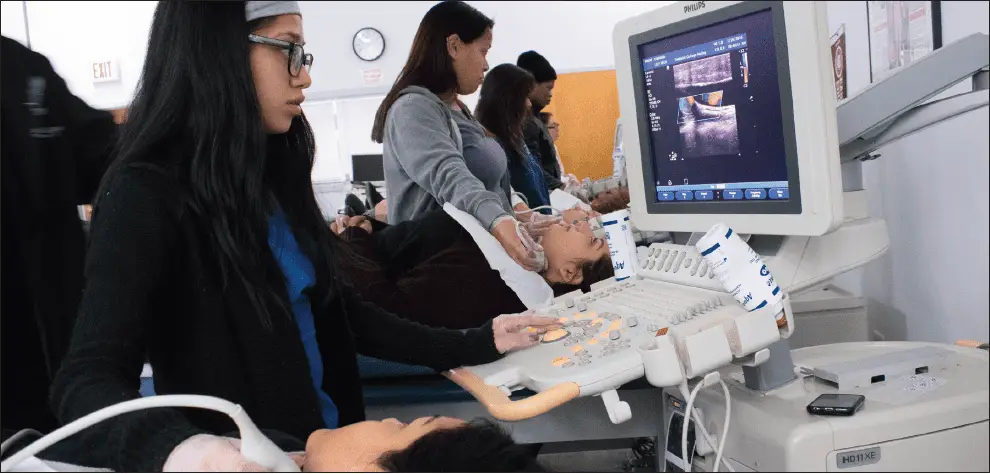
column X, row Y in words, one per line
column 105, row 71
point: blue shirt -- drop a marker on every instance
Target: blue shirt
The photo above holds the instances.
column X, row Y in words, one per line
column 300, row 276
column 526, row 176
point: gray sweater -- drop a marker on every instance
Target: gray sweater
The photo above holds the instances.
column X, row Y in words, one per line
column 426, row 168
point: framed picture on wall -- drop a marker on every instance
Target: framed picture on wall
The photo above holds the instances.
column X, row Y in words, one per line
column 901, row 32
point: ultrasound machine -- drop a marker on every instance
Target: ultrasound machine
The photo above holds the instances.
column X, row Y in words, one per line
column 729, row 115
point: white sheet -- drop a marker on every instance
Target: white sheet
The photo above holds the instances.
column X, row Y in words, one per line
column 528, row 286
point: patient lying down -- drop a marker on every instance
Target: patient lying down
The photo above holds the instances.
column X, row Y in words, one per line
column 445, row 270
column 426, row 445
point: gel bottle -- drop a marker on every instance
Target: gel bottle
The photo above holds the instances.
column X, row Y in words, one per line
column 741, row 271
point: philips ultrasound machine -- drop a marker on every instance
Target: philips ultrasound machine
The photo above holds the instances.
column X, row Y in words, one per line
column 730, row 117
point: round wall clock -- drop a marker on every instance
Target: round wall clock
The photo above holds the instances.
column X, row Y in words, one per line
column 368, row 44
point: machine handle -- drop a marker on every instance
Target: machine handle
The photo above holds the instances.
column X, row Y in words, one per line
column 503, row 408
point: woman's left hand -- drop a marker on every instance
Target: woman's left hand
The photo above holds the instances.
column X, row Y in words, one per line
column 519, row 331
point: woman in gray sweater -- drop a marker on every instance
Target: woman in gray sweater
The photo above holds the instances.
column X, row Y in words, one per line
column 433, row 148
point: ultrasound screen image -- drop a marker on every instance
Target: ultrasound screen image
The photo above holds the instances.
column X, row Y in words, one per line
column 703, row 72
column 713, row 105
column 707, row 127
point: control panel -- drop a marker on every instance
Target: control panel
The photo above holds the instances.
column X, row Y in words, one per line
column 678, row 264
column 617, row 334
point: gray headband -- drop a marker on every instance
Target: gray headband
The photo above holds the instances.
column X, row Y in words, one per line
column 256, row 10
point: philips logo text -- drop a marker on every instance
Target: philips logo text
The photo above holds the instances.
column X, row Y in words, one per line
column 694, row 7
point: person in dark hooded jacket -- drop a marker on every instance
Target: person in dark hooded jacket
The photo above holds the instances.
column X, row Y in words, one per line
column 535, row 132
column 55, row 150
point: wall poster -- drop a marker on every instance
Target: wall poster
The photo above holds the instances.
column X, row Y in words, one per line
column 900, row 33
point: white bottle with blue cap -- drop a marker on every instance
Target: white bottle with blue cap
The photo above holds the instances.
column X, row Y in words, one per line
column 621, row 244
column 741, row 271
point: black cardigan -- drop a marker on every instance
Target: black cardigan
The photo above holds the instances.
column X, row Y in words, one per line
column 154, row 292
column 448, row 284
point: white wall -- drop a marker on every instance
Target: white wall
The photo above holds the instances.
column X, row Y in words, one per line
column 572, row 35
column 931, row 188
column 12, row 20
column 75, row 34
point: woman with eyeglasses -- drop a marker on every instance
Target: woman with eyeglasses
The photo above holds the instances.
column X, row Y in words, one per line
column 210, row 259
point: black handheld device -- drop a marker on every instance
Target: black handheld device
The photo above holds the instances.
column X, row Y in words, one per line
column 839, row 404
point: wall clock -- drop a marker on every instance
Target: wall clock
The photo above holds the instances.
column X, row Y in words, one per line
column 368, row 44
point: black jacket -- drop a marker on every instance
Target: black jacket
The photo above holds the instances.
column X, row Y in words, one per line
column 153, row 290
column 428, row 270
column 538, row 140
column 55, row 150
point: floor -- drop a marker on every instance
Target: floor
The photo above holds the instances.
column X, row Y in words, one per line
column 612, row 456
column 611, row 460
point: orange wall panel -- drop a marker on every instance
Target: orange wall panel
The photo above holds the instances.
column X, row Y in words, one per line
column 586, row 104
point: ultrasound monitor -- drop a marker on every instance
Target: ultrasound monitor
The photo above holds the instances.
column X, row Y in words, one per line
column 729, row 116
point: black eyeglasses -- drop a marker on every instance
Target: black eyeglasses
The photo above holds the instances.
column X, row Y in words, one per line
column 297, row 56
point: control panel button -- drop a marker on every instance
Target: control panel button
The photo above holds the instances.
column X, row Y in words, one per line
column 554, row 335
column 569, row 302
column 582, row 306
column 632, row 322
column 614, row 335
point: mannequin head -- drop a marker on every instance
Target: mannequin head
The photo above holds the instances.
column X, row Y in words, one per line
column 434, row 444
column 575, row 257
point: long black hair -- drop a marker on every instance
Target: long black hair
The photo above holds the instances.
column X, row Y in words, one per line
column 429, row 64
column 196, row 114
column 502, row 104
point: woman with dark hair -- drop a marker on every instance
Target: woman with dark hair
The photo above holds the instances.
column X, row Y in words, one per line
column 503, row 108
column 434, row 151
column 210, row 259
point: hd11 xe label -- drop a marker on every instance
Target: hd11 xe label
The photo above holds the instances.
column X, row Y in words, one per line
column 859, row 457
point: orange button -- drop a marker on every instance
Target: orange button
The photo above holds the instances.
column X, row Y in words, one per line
column 555, row 335
column 592, row 342
column 617, row 324
column 562, row 319
column 598, row 321
column 532, row 330
column 663, row 332
column 592, row 315
column 577, row 349
column 559, row 361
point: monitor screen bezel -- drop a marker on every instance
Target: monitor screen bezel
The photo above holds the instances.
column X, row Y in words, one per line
column 791, row 206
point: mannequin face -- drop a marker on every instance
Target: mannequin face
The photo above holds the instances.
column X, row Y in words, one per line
column 575, row 216
column 568, row 247
column 357, row 447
